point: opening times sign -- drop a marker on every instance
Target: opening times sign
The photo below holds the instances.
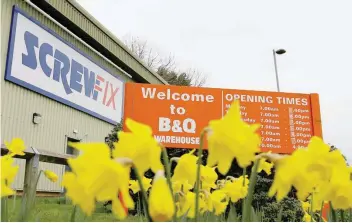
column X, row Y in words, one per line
column 177, row 114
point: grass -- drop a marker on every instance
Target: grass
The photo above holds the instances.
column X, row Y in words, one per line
column 59, row 210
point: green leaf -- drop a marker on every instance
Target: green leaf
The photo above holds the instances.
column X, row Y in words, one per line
column 232, row 214
column 254, row 215
column 342, row 215
column 197, row 189
column 144, row 194
column 246, row 212
column 212, row 217
column 333, row 213
column 184, row 217
column 168, row 176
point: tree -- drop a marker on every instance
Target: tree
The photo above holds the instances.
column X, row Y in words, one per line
column 165, row 67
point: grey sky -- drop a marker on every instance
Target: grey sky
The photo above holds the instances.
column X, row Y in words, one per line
column 232, row 42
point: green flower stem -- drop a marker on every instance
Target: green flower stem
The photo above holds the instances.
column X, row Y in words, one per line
column 4, row 210
column 14, row 201
column 311, row 208
column 243, row 183
column 350, row 214
column 244, row 176
column 73, row 214
column 246, row 212
column 332, row 212
column 321, row 212
column 144, row 194
column 343, row 215
column 197, row 189
column 168, row 176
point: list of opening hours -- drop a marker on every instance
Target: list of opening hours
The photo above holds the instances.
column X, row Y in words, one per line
column 286, row 121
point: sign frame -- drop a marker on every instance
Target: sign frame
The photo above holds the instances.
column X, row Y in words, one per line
column 9, row 59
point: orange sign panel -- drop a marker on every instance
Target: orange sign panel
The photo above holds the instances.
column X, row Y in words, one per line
column 177, row 114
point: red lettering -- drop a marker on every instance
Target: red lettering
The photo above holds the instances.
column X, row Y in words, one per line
column 112, row 96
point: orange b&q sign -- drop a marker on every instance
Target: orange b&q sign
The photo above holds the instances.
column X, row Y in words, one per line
column 178, row 114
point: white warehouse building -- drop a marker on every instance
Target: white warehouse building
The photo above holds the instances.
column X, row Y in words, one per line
column 63, row 78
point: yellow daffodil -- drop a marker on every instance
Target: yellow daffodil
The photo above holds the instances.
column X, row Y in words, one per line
column 315, row 199
column 119, row 209
column 187, row 205
column 51, row 175
column 181, row 187
column 101, row 177
column 161, row 206
column 236, row 189
column 230, row 138
column 313, row 166
column 339, row 189
column 186, row 169
column 76, row 191
column 286, row 176
column 220, row 184
column 134, row 185
column 208, row 177
column 8, row 174
column 16, row 147
column 140, row 146
column 305, row 206
column 218, row 202
column 264, row 165
column 307, row 217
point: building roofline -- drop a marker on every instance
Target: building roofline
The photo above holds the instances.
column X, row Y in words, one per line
column 90, row 17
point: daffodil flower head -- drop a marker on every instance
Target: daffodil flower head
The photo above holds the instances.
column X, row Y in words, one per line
column 305, row 206
column 220, row 184
column 208, row 177
column 161, row 206
column 95, row 170
column 220, row 201
column 236, row 189
column 307, row 217
column 264, row 165
column 8, row 174
column 76, row 191
column 339, row 189
column 140, row 146
column 186, row 169
column 321, row 161
column 134, row 185
column 16, row 147
column 284, row 177
column 313, row 168
column 230, row 138
column 51, row 175
column 187, row 205
column 181, row 187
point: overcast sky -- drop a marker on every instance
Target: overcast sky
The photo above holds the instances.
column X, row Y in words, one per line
column 232, row 42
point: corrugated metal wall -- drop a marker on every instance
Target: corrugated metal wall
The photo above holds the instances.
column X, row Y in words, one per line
column 58, row 121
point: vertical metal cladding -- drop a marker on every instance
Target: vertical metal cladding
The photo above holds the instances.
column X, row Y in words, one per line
column 58, row 120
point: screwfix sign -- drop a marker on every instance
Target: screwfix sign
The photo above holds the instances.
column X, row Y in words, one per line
column 177, row 115
column 42, row 61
